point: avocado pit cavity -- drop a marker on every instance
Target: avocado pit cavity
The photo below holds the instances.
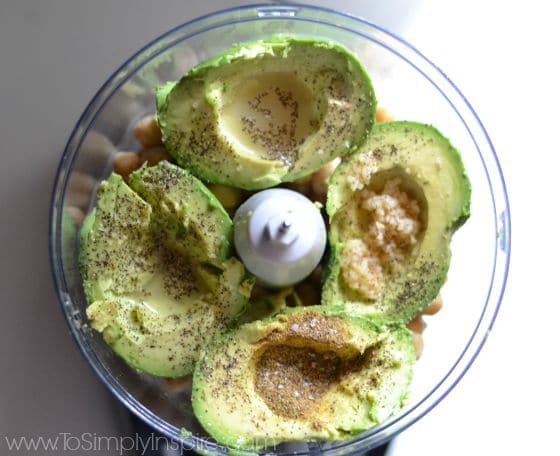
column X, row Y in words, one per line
column 290, row 379
column 266, row 112
column 311, row 373
column 301, row 363
column 390, row 225
column 269, row 114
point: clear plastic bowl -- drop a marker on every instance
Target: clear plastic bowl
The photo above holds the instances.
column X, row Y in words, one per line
column 409, row 86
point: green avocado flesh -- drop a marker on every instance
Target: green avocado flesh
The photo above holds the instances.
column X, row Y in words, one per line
column 156, row 297
column 324, row 359
column 312, row 373
column 266, row 112
column 189, row 215
column 393, row 207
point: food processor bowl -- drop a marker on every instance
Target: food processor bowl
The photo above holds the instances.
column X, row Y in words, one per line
column 409, row 86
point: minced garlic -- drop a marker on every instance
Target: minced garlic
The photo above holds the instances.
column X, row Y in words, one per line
column 394, row 225
column 363, row 173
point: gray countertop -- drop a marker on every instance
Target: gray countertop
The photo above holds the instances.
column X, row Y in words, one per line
column 55, row 54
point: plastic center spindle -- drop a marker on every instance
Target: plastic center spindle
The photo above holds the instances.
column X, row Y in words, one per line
column 280, row 236
column 279, row 229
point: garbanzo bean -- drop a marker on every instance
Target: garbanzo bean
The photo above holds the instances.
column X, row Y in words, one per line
column 316, row 277
column 78, row 199
column 382, row 116
column 147, row 132
column 434, row 307
column 308, row 294
column 258, row 292
column 81, row 182
column 76, row 213
column 126, row 162
column 230, row 197
column 418, row 341
column 302, row 186
column 319, row 180
column 179, row 384
column 80, row 189
column 417, row 325
column 153, row 155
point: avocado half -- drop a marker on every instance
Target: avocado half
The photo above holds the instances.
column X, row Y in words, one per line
column 267, row 112
column 413, row 183
column 155, row 294
column 311, row 373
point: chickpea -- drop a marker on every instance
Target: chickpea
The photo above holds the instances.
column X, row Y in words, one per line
column 308, row 294
column 98, row 148
column 418, row 342
column 316, row 277
column 153, row 155
column 382, row 116
column 76, row 213
column 125, row 163
column 147, row 131
column 282, row 297
column 80, row 190
column 417, row 325
column 291, row 300
column 258, row 292
column 302, row 185
column 179, row 384
column 230, row 197
column 319, row 180
column 78, row 199
column 81, row 182
column 434, row 307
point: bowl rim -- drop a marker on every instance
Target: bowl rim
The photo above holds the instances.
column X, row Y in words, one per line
column 502, row 220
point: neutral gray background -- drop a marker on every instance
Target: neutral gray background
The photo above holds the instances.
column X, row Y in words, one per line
column 55, row 54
